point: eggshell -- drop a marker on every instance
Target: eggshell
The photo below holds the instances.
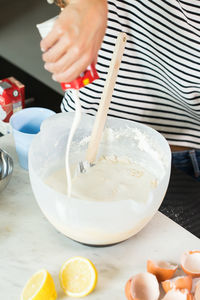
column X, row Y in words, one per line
column 190, row 297
column 128, row 290
column 161, row 269
column 194, row 283
column 197, row 291
column 180, row 282
column 144, row 286
column 177, row 295
column 190, row 263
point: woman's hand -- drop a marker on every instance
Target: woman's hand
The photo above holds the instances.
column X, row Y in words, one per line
column 74, row 41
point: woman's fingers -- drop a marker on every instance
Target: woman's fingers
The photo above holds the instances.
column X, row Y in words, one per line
column 73, row 55
column 75, row 38
column 65, row 61
column 71, row 65
column 52, row 37
column 73, row 71
column 57, row 50
column 63, row 26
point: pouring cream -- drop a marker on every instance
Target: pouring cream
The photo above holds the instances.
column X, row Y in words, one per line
column 76, row 121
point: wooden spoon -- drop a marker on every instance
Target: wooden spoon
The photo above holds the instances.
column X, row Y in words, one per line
column 105, row 101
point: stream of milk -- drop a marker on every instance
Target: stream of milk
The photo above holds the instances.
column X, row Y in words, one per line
column 76, row 121
column 44, row 28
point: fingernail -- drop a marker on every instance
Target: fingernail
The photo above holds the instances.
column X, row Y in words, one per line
column 45, row 66
column 42, row 49
column 54, row 78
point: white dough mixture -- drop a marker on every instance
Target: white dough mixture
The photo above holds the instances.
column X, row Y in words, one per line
column 111, row 179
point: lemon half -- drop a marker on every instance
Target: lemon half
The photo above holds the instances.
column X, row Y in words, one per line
column 78, row 277
column 39, row 287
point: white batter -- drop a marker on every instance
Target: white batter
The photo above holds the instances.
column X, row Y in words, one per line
column 111, row 179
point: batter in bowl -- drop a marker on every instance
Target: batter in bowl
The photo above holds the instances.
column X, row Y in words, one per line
column 110, row 179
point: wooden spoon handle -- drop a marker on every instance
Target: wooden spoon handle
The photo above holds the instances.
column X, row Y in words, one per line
column 106, row 98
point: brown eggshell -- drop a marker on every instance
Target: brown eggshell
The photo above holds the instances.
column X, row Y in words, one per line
column 178, row 295
column 190, row 263
column 128, row 290
column 161, row 269
column 180, row 282
column 144, row 286
column 197, row 291
column 190, row 296
column 194, row 283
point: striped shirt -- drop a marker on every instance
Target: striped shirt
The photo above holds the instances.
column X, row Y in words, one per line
column 158, row 82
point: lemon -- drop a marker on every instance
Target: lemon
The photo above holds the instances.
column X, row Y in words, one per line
column 78, row 277
column 39, row 287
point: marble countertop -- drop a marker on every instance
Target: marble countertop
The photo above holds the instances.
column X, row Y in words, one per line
column 28, row 243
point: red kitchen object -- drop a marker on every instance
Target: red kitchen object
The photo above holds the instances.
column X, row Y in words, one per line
column 88, row 76
column 12, row 96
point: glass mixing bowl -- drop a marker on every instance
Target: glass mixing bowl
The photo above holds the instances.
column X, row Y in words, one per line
column 97, row 222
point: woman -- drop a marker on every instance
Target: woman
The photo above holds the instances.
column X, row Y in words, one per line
column 159, row 79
